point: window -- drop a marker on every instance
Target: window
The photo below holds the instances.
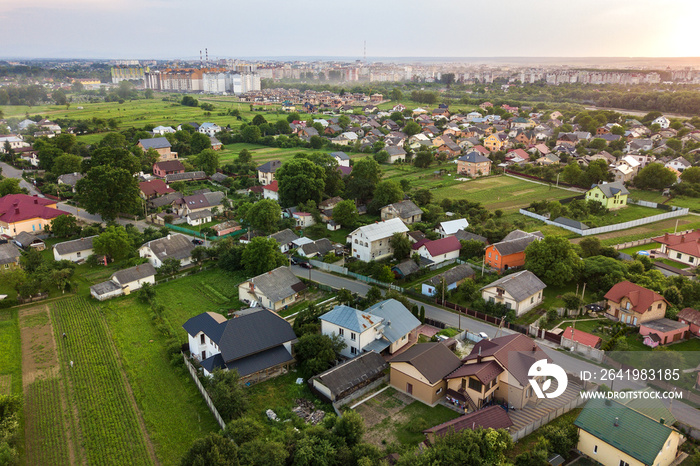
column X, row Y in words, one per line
column 496, row 257
column 439, row 390
column 352, row 336
column 489, row 253
column 355, row 240
column 678, row 255
column 202, row 339
column 353, row 350
column 509, row 305
column 77, row 254
column 595, row 448
column 532, row 300
column 475, row 385
column 658, row 306
column 341, row 331
column 491, row 300
column 624, row 463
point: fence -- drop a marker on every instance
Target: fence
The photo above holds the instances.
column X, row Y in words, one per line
column 583, row 350
column 547, row 418
column 481, row 316
column 639, row 242
column 203, row 391
column 608, row 228
column 344, row 271
column 187, row 231
column 329, row 267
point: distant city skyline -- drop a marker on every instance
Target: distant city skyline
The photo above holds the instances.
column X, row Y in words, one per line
column 155, row 29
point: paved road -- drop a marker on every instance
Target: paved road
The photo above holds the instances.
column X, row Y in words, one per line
column 571, row 364
column 10, row 172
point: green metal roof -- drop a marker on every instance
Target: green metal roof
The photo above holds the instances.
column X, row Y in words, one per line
column 635, row 434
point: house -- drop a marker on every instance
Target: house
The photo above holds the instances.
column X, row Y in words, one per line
column 609, row 433
column 161, row 130
column 266, row 171
column 271, row 191
column 495, row 142
column 634, row 304
column 405, row 268
column 344, row 379
column 274, row 290
column 257, row 345
column 407, row 211
column 420, row 371
column 70, row 179
column 342, row 158
column 215, row 143
column 303, row 219
column 692, row 318
column 519, row 292
column 170, row 167
column 549, row 159
column 396, row 153
column 175, row 246
column 160, row 145
column 27, row 240
column 493, row 417
column 154, row 188
column 124, row 282
column 76, row 250
column 9, row 256
column 387, row 324
column 318, row 248
column 496, row 369
column 613, row 195
column 451, row 227
column 199, row 217
column 463, row 235
column 662, row 121
column 681, row 247
column 204, row 200
column 451, row 278
column 21, row 212
column 473, row 164
column 581, row 337
column 210, row 129
column 371, row 242
column 285, row 238
column 510, row 252
column 663, row 331
column 440, row 250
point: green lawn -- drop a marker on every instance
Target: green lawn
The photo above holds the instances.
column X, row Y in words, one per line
column 688, row 222
column 643, row 247
column 418, row 414
column 693, row 203
column 626, row 214
column 262, row 154
column 649, row 196
column 10, row 353
column 501, row 192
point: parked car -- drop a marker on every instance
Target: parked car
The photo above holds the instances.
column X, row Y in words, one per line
column 197, row 241
column 306, row 265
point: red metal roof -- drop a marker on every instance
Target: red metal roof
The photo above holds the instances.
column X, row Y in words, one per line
column 149, row 188
column 272, row 186
column 688, row 243
column 18, row 207
column 442, row 246
column 494, row 417
column 640, row 297
column 582, row 337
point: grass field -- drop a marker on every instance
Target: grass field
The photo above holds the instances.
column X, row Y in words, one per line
column 627, row 214
column 10, row 348
column 688, row 222
column 501, row 192
column 262, row 154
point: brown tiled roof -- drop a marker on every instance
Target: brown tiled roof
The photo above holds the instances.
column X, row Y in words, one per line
column 433, row 360
column 690, row 315
column 484, row 371
column 493, row 417
column 640, row 297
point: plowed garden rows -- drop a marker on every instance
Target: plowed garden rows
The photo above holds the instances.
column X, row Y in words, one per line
column 47, row 441
column 108, row 420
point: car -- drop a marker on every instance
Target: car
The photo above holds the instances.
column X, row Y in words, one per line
column 306, row 265
column 483, row 335
column 197, row 241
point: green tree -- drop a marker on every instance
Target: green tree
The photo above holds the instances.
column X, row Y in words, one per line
column 363, row 179
column 59, row 96
column 113, row 242
column 282, row 127
column 350, row 427
column 412, row 128
column 654, row 176
column 66, row 163
column 387, row 192
column 396, row 94
column 345, row 213
column 109, row 191
column 601, row 273
column 65, row 141
column 344, row 296
column 691, row 175
column 147, row 293
column 316, row 352
column 423, row 159
column 572, row 173
column 207, row 161
column 258, row 120
column 264, row 215
column 64, row 226
column 385, row 274
column 250, row 134
column 114, row 157
column 212, row 450
column 262, row 452
column 228, row 394
column 262, row 255
column 374, row 294
column 199, row 255
column 401, row 245
column 479, row 447
column 572, row 301
column 10, row 186
column 199, row 142
column 553, row 260
column 300, row 180
column 244, row 430
column 422, row 314
column 471, row 249
column 422, row 197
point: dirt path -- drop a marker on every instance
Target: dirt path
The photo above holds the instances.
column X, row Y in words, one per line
column 40, row 361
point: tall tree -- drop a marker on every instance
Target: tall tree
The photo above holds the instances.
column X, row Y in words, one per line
column 363, row 179
column 401, row 246
column 387, row 192
column 199, row 142
column 212, row 450
column 345, row 213
column 109, row 191
column 207, row 161
column 553, row 260
column 66, row 163
column 264, row 215
column 113, row 242
column 228, row 394
column 300, row 180
column 262, row 255
column 654, row 176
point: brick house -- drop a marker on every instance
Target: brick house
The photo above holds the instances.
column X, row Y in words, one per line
column 634, row 304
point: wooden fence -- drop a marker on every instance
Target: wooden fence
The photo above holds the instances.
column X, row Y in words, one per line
column 203, row 391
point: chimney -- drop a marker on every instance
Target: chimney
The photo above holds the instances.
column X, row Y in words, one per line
column 662, row 421
column 17, row 209
column 534, row 348
column 617, row 422
column 36, row 201
column 682, row 238
column 665, row 235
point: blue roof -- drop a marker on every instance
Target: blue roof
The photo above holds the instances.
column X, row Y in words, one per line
column 350, row 318
column 398, row 321
column 340, row 155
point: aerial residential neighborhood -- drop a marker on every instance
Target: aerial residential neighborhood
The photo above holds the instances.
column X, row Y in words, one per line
column 298, row 260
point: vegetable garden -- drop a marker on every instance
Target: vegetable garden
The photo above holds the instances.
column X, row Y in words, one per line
column 47, row 438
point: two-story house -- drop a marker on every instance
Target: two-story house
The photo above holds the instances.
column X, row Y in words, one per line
column 407, row 211
column 510, row 252
column 612, row 195
column 473, row 164
column 169, row 167
column 681, row 247
column 266, row 171
column 177, row 247
column 520, row 291
column 451, row 227
column 210, row 129
column 633, row 304
column 371, row 242
column 160, row 145
column 272, row 290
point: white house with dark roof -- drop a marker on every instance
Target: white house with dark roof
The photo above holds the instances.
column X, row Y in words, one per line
column 124, row 282
column 451, row 227
column 342, row 158
column 386, row 325
column 257, row 344
column 273, row 290
column 76, row 250
column 266, row 171
column 520, row 291
column 371, row 242
column 159, row 250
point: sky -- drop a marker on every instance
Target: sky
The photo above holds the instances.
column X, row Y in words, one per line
column 170, row 29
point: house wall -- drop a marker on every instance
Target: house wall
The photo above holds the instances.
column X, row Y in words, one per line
column 265, row 178
column 474, row 169
column 267, row 194
column 683, row 257
column 629, row 316
column 520, row 307
column 106, row 296
column 208, row 347
column 375, row 250
column 493, row 258
column 694, row 328
column 402, row 374
column 361, row 339
column 476, row 397
column 29, row 225
column 423, row 252
column 607, row 455
column 400, row 343
column 198, row 221
column 74, row 256
column 136, row 284
column 666, row 337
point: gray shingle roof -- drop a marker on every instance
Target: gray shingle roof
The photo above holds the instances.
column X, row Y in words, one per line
column 80, row 244
column 453, row 275
column 71, row 179
column 285, row 236
column 407, row 267
column 253, row 333
column 171, row 247
column 270, row 167
column 398, row 321
column 611, row 189
column 154, row 143
column 463, row 235
column 166, row 199
column 473, row 157
column 278, row 284
column 571, row 223
column 200, row 214
column 196, row 175
column 134, row 273
column 105, row 287
column 406, row 208
column 519, row 285
column 340, row 155
column 345, row 376
column 433, row 360
column 350, row 318
column 9, row 253
column 26, row 239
